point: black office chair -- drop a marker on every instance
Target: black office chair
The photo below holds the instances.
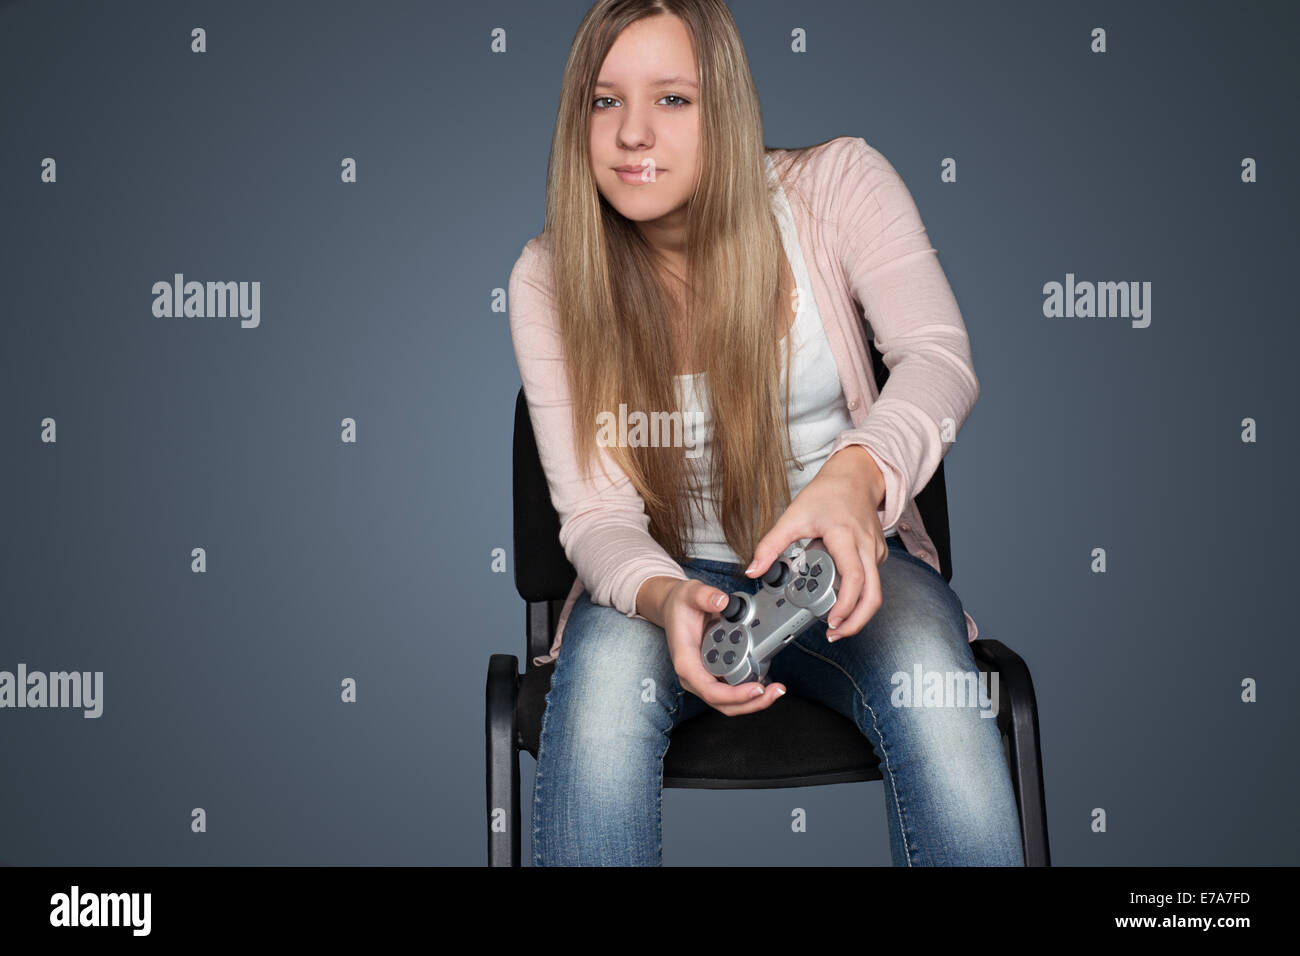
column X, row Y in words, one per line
column 798, row 743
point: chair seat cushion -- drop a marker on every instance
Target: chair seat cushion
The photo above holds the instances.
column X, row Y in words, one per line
column 794, row 742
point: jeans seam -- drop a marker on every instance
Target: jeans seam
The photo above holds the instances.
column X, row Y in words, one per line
column 537, row 777
column 884, row 751
column 659, row 817
column 659, row 804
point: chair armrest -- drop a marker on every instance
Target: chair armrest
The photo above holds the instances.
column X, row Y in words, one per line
column 502, row 760
column 502, row 690
column 1014, row 679
column 1025, row 751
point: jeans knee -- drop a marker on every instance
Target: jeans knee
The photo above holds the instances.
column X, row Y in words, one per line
column 926, row 630
column 614, row 683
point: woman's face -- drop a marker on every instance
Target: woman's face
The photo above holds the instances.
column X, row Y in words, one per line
column 645, row 114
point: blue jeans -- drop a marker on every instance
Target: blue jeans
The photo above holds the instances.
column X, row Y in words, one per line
column 615, row 699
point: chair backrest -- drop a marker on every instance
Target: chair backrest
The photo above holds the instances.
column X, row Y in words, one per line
column 543, row 574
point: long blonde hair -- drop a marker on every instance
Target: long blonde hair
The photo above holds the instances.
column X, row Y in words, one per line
column 615, row 308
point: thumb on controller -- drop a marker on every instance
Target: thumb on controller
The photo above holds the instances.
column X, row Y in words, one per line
column 713, row 600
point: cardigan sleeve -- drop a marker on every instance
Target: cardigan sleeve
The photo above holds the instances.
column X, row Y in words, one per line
column 894, row 275
column 603, row 521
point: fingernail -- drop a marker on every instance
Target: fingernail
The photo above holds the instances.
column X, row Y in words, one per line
column 758, row 692
column 780, row 691
column 750, row 569
column 834, row 622
column 719, row 600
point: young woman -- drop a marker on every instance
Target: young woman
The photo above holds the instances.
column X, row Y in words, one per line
column 684, row 267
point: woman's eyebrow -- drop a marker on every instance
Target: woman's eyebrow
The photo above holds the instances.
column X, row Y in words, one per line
column 666, row 81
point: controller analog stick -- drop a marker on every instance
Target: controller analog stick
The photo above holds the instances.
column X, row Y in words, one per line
column 735, row 608
column 776, row 575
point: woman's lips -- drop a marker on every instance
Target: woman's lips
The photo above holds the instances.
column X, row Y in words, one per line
column 640, row 175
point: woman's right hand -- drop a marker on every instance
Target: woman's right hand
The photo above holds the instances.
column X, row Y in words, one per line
column 686, row 609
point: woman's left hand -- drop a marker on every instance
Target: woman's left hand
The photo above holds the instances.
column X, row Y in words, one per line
column 839, row 506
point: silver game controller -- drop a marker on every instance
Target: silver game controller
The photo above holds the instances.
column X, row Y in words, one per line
column 799, row 588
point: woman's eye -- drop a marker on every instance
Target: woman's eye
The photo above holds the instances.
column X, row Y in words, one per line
column 670, row 96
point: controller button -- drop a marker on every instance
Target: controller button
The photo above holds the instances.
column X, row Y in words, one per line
column 798, row 585
column 755, row 622
column 816, row 569
column 780, row 601
column 719, row 634
column 729, row 657
column 812, row 586
column 735, row 636
column 712, row 656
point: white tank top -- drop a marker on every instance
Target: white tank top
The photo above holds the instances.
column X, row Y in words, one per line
column 818, row 412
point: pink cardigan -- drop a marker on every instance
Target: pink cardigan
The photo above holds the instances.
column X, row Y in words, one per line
column 863, row 243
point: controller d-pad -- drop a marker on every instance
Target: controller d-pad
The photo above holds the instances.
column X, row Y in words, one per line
column 816, row 569
column 812, row 586
column 798, row 585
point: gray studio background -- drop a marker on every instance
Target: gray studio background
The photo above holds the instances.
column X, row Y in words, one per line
column 328, row 560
